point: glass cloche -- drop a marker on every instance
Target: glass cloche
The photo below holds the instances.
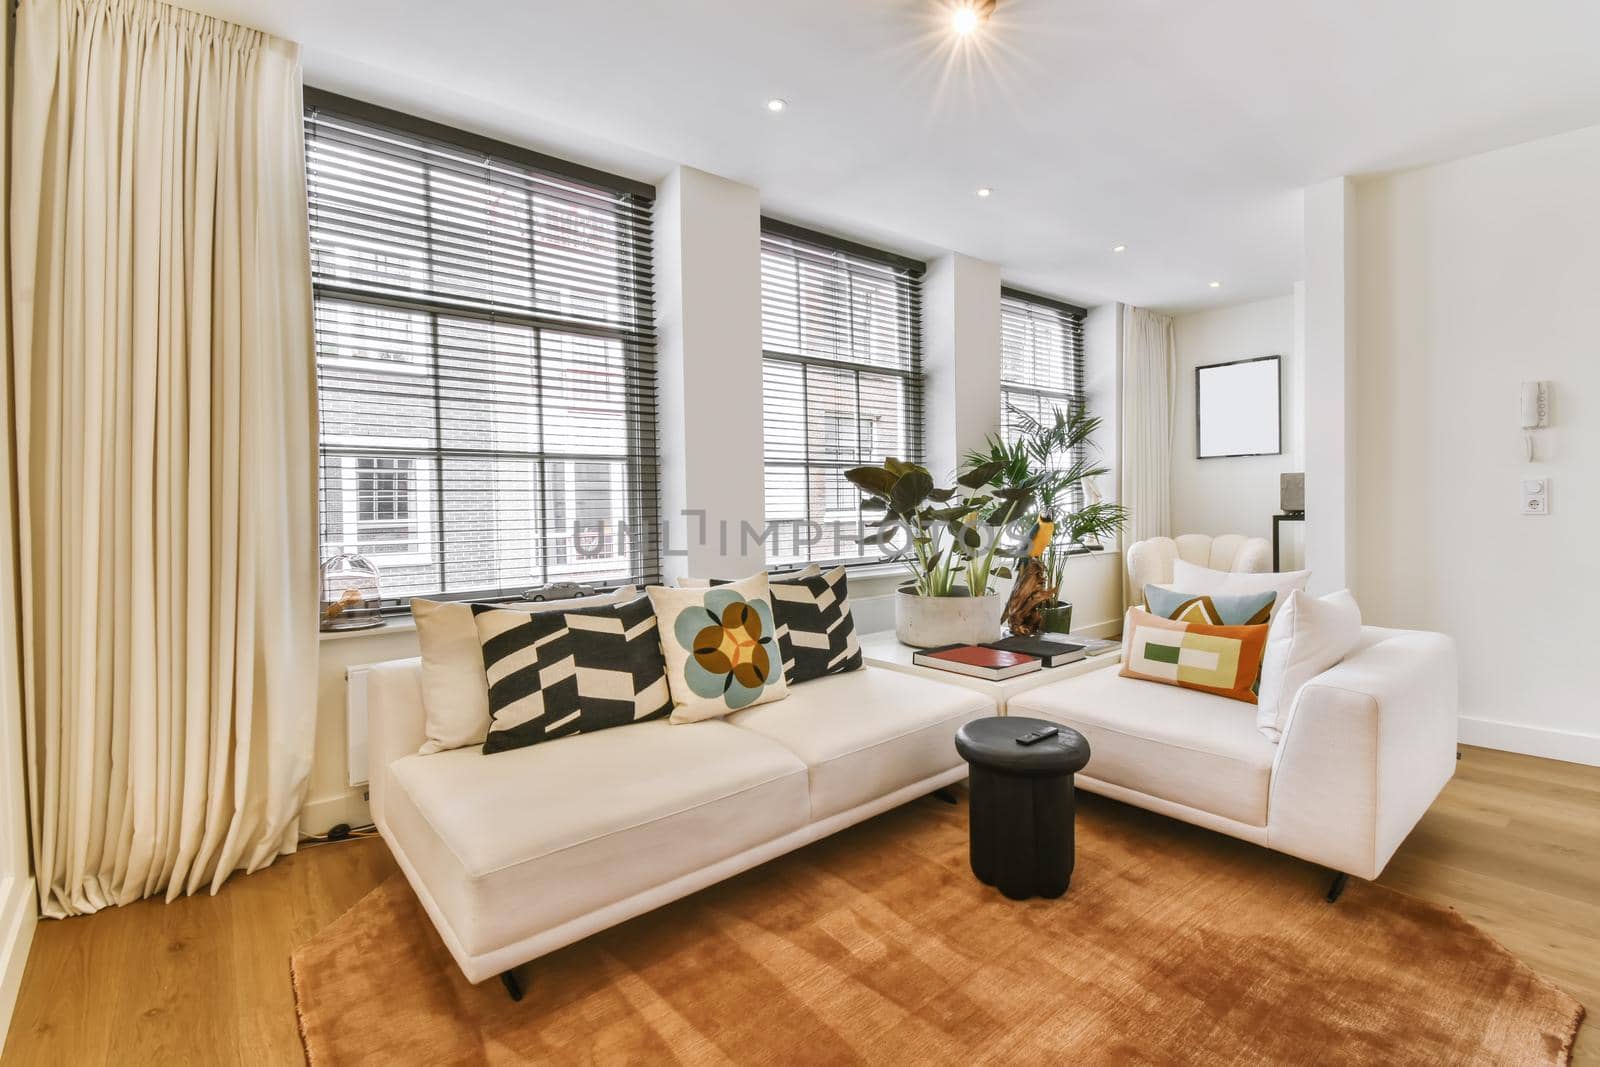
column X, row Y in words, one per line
column 350, row 596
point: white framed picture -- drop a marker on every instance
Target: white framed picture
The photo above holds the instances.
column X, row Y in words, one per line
column 1238, row 408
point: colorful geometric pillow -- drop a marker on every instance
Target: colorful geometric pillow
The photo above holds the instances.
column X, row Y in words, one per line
column 1210, row 609
column 1225, row 660
column 721, row 647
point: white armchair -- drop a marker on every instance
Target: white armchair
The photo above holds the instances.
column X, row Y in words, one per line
column 1150, row 561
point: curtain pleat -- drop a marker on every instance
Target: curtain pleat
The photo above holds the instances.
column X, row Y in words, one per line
column 164, row 429
column 1149, row 399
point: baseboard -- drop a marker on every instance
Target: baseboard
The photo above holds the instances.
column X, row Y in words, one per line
column 19, row 914
column 1565, row 745
column 323, row 813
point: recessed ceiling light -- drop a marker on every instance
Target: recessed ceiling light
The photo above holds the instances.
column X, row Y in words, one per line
column 1119, row 248
column 1216, row 285
column 776, row 104
column 985, row 192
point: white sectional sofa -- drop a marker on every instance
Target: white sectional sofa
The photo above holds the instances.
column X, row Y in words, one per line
column 1369, row 745
column 517, row 854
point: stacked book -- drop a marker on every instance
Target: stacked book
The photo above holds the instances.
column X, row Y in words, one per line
column 999, row 660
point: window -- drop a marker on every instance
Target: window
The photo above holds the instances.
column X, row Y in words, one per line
column 485, row 359
column 841, row 334
column 1041, row 361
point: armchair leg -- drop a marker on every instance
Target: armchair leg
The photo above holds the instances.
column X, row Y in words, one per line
column 513, row 987
column 1336, row 887
column 945, row 794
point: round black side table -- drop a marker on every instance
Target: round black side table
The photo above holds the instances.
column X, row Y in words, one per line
column 1021, row 808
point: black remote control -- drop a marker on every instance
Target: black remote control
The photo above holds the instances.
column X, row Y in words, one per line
column 1033, row 737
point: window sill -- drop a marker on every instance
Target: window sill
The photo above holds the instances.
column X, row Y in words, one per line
column 400, row 624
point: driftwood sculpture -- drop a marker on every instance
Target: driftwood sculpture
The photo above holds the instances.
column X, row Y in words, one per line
column 1025, row 610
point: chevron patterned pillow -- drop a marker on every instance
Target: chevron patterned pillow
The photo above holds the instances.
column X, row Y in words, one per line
column 816, row 633
column 568, row 672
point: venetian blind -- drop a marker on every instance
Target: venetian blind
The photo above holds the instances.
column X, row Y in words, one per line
column 485, row 359
column 1041, row 361
column 841, row 328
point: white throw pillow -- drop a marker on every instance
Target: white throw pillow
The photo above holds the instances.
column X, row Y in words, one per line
column 1310, row 635
column 455, row 688
column 1188, row 578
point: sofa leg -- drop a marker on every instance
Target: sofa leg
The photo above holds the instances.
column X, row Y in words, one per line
column 1336, row 887
column 945, row 794
column 513, row 987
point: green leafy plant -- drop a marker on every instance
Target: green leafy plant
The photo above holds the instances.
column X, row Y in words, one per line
column 951, row 532
column 1049, row 459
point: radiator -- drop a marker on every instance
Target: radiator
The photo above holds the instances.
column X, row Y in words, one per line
column 355, row 723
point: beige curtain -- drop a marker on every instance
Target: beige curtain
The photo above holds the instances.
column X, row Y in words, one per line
column 164, row 432
column 1149, row 399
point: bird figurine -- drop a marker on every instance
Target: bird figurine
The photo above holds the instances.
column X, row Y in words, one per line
column 1040, row 536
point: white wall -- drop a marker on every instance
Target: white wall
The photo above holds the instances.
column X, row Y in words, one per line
column 708, row 325
column 1474, row 276
column 1330, row 309
column 1234, row 494
column 961, row 360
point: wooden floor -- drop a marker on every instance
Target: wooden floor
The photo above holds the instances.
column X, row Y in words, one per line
column 1514, row 844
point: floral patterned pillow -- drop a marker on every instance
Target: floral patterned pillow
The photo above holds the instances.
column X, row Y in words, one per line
column 721, row 647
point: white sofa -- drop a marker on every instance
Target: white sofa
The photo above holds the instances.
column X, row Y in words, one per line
column 517, row 854
column 1150, row 561
column 1369, row 745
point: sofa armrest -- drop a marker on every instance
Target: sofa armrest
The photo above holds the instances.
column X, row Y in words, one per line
column 396, row 722
column 1368, row 746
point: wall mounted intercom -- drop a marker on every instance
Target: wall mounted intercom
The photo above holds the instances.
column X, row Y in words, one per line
column 1535, row 411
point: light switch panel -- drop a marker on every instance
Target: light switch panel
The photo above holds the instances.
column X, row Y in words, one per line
column 1536, row 496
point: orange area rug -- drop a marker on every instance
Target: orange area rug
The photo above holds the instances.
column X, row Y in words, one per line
column 1173, row 946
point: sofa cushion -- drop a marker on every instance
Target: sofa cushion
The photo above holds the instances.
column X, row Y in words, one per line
column 455, row 690
column 721, row 646
column 570, row 672
column 867, row 733
column 1310, row 635
column 1180, row 745
column 1225, row 660
column 521, row 841
column 1192, row 579
column 816, row 632
column 1212, row 609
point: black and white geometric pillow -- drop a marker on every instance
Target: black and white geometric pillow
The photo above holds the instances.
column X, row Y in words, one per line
column 568, row 672
column 816, row 633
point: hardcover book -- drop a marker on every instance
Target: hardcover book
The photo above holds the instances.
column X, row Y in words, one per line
column 1048, row 652
column 976, row 661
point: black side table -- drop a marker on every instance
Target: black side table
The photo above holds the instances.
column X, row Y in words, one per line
column 1021, row 818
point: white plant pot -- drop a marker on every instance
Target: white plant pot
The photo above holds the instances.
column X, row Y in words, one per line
column 929, row 621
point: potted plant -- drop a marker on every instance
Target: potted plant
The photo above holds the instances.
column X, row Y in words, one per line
column 949, row 539
column 1050, row 459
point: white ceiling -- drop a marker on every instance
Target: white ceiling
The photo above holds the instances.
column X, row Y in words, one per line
column 1182, row 128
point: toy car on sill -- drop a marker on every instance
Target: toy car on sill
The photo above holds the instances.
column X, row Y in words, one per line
column 559, row 591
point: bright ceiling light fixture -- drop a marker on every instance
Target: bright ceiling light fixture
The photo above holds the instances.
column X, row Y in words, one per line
column 775, row 104
column 1119, row 248
column 1215, row 285
column 985, row 193
column 966, row 16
